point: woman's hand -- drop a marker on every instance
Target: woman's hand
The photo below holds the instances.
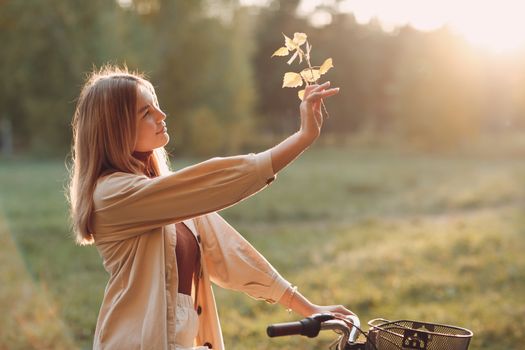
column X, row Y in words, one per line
column 337, row 310
column 311, row 123
column 311, row 114
column 294, row 300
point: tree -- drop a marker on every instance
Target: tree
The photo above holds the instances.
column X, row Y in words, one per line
column 198, row 62
column 437, row 90
column 47, row 47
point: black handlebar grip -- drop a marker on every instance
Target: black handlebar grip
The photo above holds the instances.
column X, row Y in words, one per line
column 308, row 327
column 282, row 329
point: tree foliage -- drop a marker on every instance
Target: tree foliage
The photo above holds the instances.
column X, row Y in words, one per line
column 190, row 57
column 428, row 89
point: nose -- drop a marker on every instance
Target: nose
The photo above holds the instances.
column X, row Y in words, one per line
column 160, row 114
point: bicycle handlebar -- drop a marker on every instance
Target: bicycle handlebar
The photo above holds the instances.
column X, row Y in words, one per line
column 309, row 327
column 283, row 329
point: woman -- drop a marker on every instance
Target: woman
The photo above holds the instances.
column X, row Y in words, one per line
column 158, row 232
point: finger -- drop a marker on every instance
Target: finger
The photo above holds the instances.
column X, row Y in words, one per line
column 315, row 95
column 308, row 89
column 321, row 87
column 315, row 87
column 330, row 92
column 343, row 310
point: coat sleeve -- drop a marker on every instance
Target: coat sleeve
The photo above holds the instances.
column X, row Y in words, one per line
column 128, row 204
column 233, row 263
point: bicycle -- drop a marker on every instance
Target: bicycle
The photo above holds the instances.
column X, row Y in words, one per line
column 382, row 334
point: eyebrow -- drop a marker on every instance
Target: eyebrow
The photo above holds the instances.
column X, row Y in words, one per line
column 143, row 109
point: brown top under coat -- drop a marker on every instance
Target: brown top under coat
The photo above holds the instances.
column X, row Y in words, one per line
column 188, row 256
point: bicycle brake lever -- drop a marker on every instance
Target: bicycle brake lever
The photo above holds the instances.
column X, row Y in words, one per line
column 357, row 323
column 323, row 317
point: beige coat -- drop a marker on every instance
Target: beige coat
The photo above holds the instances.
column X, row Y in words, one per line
column 135, row 235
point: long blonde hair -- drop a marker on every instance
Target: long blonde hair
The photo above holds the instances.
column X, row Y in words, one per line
column 104, row 135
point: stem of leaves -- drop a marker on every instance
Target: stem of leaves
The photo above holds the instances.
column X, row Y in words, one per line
column 307, row 58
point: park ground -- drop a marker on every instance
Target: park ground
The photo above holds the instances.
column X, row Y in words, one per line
column 388, row 233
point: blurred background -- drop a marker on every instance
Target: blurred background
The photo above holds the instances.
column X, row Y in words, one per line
column 410, row 205
column 430, row 74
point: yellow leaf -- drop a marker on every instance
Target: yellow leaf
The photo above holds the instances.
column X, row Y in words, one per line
column 282, row 51
column 299, row 38
column 290, row 45
column 292, row 80
column 310, row 75
column 325, row 67
column 300, row 93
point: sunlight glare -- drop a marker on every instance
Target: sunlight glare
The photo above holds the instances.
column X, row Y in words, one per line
column 491, row 24
column 496, row 27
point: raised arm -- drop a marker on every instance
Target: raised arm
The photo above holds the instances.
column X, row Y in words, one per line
column 128, row 204
column 311, row 124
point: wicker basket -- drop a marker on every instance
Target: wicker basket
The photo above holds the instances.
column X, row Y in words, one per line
column 409, row 335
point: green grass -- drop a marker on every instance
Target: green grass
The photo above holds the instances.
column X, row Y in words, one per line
column 30, row 318
column 389, row 234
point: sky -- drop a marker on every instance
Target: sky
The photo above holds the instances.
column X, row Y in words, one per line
column 497, row 25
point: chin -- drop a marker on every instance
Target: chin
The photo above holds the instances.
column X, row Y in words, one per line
column 166, row 139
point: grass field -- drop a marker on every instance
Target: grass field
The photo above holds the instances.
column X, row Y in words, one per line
column 389, row 234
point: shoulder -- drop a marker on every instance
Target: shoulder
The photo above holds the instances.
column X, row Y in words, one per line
column 117, row 184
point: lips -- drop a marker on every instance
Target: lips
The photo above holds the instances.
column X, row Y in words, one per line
column 163, row 129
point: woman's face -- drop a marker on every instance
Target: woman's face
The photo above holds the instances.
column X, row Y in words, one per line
column 151, row 127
